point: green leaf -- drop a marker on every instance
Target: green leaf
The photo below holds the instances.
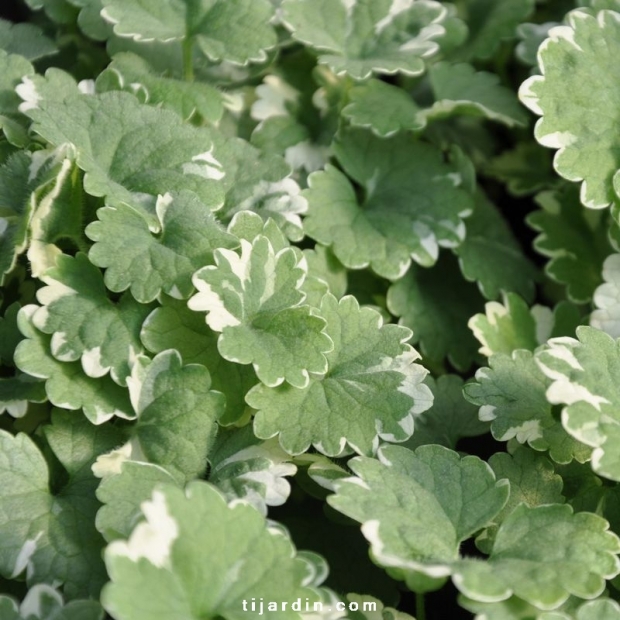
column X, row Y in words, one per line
column 578, row 58
column 533, row 482
column 254, row 300
column 13, row 68
column 490, row 23
column 582, row 374
column 460, row 89
column 531, row 37
column 148, row 260
column 74, row 295
column 606, row 298
column 177, row 413
column 512, row 395
column 236, row 31
column 436, row 304
column 491, row 256
column 174, row 326
column 525, row 169
column 324, row 266
column 26, row 40
column 363, row 37
column 372, row 388
column 449, row 419
column 66, row 384
column 575, row 240
column 10, row 335
column 131, row 152
column 125, row 485
column 42, row 602
column 511, row 325
column 190, row 100
column 383, row 108
column 402, row 213
column 417, row 507
column 51, row 535
column 250, row 470
column 16, row 392
column 527, row 561
column 238, row 555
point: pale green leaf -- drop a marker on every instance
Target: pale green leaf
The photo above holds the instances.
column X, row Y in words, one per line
column 237, row 31
column 174, row 326
column 383, row 108
column 417, row 507
column 582, row 377
column 253, row 299
column 436, row 305
column 49, row 535
column 148, row 261
column 190, row 100
column 575, row 241
column 66, row 384
column 460, row 89
column 245, row 468
column 125, row 485
column 16, row 392
column 177, row 413
column 13, row 68
column 579, row 58
column 491, row 255
column 162, row 569
column 527, row 560
column 362, row 37
column 42, row 602
column 131, row 152
column 607, row 298
column 511, row 394
column 402, row 213
column 25, row 39
column 449, row 419
column 74, row 296
column 531, row 37
column 372, row 388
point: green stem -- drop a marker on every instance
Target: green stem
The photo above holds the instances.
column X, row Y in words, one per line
column 420, row 608
column 188, row 67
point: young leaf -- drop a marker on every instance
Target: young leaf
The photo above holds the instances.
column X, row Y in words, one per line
column 66, row 385
column 582, row 374
column 363, row 37
column 254, row 300
column 527, row 561
column 238, row 555
column 579, row 58
column 174, row 326
column 177, row 413
column 237, row 31
column 372, row 388
column 248, row 469
column 404, row 212
column 73, row 296
column 417, row 507
column 511, row 394
column 150, row 260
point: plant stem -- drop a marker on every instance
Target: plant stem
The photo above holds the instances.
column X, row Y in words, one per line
column 420, row 608
column 188, row 67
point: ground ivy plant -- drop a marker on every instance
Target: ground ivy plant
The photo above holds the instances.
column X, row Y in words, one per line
column 309, row 309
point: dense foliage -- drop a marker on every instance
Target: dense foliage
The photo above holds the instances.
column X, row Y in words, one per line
column 299, row 301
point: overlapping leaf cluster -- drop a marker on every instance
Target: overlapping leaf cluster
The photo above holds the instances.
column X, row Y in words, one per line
column 224, row 227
